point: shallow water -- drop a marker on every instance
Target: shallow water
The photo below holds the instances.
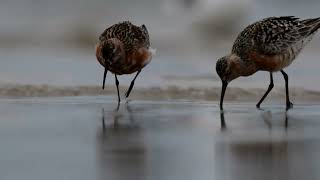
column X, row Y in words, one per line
column 64, row 138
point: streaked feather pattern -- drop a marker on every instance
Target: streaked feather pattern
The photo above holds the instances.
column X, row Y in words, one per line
column 275, row 35
column 133, row 37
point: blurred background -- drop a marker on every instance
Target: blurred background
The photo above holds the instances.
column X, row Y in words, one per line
column 47, row 49
column 46, row 44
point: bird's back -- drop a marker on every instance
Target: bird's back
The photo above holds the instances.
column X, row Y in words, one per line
column 275, row 35
column 133, row 37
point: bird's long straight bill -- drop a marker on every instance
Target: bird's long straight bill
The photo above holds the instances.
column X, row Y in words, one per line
column 104, row 77
column 223, row 90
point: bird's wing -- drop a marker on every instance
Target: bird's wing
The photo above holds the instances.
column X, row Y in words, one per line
column 276, row 34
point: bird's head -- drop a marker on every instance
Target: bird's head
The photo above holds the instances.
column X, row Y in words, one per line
column 108, row 52
column 111, row 50
column 222, row 68
column 105, row 52
column 227, row 68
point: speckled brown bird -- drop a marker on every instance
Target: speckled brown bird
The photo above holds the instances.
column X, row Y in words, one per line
column 267, row 45
column 124, row 49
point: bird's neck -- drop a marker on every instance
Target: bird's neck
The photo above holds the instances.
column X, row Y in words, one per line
column 241, row 67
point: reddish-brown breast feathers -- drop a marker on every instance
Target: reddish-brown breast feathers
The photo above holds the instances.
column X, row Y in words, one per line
column 266, row 62
column 142, row 56
column 99, row 54
column 137, row 59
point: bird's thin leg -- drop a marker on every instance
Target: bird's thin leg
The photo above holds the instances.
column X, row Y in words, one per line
column 267, row 92
column 285, row 76
column 132, row 84
column 117, row 84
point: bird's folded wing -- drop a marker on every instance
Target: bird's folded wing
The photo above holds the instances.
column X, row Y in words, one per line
column 276, row 34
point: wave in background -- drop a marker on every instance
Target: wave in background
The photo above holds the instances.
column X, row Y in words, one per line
column 156, row 93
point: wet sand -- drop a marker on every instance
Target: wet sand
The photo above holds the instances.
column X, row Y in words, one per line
column 64, row 138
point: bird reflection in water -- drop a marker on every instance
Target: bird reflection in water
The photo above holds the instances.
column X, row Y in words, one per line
column 117, row 116
column 266, row 159
column 266, row 116
column 266, row 154
column 121, row 150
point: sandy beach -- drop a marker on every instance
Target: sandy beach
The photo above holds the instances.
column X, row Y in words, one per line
column 64, row 138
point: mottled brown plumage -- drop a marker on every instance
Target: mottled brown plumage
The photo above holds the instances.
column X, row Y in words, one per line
column 124, row 48
column 267, row 45
column 133, row 37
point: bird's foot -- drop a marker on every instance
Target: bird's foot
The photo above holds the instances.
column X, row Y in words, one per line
column 127, row 94
column 128, row 100
column 289, row 105
column 258, row 106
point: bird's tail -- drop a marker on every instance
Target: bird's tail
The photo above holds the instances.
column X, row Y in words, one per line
column 152, row 51
column 312, row 25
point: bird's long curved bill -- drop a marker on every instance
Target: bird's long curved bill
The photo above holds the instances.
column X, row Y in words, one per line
column 223, row 90
column 104, row 77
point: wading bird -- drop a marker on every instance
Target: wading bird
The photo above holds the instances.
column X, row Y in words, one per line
column 267, row 45
column 124, row 49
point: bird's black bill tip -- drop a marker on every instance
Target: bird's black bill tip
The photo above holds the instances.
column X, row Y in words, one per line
column 104, row 77
column 223, row 90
